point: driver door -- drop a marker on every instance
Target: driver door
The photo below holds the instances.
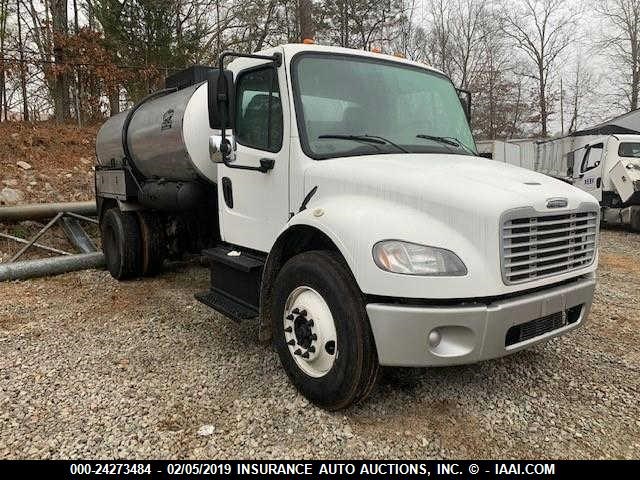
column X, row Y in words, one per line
column 590, row 177
column 254, row 206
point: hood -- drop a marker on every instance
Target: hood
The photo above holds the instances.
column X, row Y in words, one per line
column 452, row 182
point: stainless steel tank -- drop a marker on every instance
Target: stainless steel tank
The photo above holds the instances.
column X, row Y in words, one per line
column 167, row 137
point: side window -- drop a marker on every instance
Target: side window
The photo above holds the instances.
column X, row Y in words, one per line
column 258, row 110
column 592, row 157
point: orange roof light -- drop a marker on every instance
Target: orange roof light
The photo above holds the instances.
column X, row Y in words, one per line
column 308, row 41
column 376, row 50
column 399, row 55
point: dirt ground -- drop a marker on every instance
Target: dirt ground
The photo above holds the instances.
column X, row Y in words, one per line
column 90, row 367
column 60, row 157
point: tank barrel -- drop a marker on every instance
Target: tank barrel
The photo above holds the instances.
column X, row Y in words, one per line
column 166, row 137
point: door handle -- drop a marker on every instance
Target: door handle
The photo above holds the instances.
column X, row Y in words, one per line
column 266, row 164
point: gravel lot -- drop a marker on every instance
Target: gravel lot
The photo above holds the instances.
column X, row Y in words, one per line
column 93, row 368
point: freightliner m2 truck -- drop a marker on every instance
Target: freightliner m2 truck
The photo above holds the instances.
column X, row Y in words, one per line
column 337, row 196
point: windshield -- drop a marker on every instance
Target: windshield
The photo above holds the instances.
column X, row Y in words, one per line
column 629, row 149
column 346, row 96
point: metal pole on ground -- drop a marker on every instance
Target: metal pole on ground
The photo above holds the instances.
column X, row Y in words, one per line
column 50, row 266
column 36, row 211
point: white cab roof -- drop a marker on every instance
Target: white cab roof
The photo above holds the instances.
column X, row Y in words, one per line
column 290, row 49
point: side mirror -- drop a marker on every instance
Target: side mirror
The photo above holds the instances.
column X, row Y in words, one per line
column 465, row 100
column 218, row 150
column 221, row 99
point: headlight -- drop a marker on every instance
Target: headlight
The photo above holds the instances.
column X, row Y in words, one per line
column 413, row 259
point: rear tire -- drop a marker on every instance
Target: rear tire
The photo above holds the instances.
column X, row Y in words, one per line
column 121, row 244
column 321, row 288
column 635, row 219
column 153, row 243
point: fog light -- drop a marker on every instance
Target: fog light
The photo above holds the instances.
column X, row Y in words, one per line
column 434, row 338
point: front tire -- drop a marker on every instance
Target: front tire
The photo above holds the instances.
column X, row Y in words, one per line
column 322, row 331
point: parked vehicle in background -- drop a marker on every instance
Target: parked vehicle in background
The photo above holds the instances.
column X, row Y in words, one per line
column 338, row 196
column 606, row 166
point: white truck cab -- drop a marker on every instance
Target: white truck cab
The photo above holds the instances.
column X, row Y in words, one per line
column 337, row 195
column 608, row 167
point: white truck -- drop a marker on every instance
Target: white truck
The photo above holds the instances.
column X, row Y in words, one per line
column 338, row 197
column 606, row 166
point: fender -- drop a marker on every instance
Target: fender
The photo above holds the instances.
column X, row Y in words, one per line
column 355, row 223
column 351, row 225
column 305, row 231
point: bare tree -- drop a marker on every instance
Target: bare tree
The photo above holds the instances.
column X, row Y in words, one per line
column 23, row 66
column 542, row 30
column 623, row 45
column 581, row 96
column 440, row 37
column 4, row 15
column 305, row 19
column 469, row 26
column 60, row 24
column 500, row 109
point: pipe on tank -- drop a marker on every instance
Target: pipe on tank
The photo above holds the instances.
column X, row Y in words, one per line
column 50, row 266
column 38, row 211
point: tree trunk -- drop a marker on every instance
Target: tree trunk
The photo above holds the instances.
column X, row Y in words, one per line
column 61, row 78
column 635, row 84
column 543, row 101
column 114, row 100
column 3, row 28
column 23, row 75
column 77, row 79
column 305, row 19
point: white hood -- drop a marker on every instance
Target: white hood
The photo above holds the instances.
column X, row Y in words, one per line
column 471, row 184
column 446, row 201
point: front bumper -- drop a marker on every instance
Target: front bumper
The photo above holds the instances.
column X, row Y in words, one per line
column 417, row 336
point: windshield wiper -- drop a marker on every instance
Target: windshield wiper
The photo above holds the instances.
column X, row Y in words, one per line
column 447, row 141
column 367, row 138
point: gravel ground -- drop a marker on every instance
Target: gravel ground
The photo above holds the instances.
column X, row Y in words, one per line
column 93, row 368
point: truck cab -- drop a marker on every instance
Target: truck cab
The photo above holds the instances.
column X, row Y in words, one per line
column 608, row 167
column 347, row 209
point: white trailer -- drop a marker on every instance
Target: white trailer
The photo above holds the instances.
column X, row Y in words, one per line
column 500, row 151
column 337, row 196
column 515, row 151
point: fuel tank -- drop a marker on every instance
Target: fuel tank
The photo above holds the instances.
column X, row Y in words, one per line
column 167, row 137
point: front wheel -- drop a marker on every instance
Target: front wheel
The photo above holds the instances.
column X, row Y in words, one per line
column 322, row 332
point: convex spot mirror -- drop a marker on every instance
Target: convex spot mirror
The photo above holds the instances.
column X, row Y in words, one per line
column 218, row 148
column 221, row 99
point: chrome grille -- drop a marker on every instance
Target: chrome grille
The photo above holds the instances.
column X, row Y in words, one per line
column 538, row 246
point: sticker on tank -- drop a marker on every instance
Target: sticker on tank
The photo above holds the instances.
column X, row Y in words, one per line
column 167, row 120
